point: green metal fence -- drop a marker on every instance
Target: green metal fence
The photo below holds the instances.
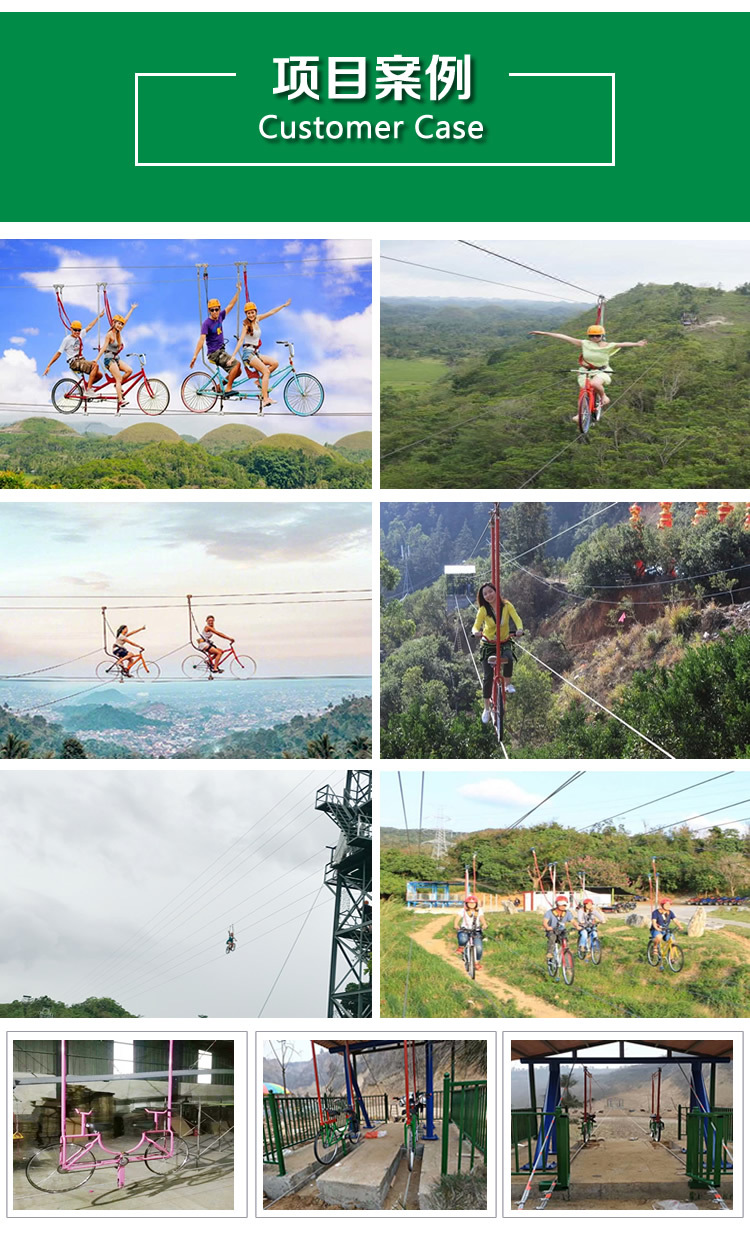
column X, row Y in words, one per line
column 465, row 1105
column 708, row 1157
column 290, row 1121
column 526, row 1128
column 683, row 1112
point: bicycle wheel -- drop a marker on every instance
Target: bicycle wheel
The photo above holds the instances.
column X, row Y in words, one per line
column 653, row 952
column 326, row 1148
column 581, row 951
column 195, row 667
column 303, row 394
column 67, row 395
column 218, row 1149
column 153, row 673
column 568, row 966
column 597, row 407
column 156, row 1161
column 584, row 412
column 499, row 711
column 470, row 960
column 355, row 1132
column 596, row 951
column 198, row 392
column 156, row 401
column 243, row 667
column 107, row 670
column 43, row 1170
column 675, row 957
column 410, row 1146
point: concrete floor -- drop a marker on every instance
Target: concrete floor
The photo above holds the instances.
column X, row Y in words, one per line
column 198, row 1186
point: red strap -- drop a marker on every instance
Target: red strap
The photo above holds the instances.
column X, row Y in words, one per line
column 247, row 294
column 106, row 307
column 62, row 311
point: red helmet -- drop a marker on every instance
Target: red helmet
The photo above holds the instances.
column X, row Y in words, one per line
column 588, row 900
column 471, row 900
column 562, row 900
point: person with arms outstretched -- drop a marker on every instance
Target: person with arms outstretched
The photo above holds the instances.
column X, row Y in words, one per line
column 72, row 347
column 595, row 356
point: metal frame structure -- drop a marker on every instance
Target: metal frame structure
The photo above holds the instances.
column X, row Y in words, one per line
column 348, row 875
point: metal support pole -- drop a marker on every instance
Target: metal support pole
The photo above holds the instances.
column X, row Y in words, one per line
column 446, row 1124
column 429, row 1072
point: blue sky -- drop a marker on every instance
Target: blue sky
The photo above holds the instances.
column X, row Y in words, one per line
column 80, row 555
column 330, row 318
column 471, row 801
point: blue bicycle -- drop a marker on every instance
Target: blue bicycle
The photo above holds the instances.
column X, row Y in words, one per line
column 303, row 393
column 591, row 944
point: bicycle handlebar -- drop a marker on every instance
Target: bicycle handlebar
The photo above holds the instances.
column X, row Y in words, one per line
column 142, row 356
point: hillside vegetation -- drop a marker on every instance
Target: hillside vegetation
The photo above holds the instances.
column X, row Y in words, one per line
column 501, row 413
column 670, row 656
column 42, row 452
column 341, row 731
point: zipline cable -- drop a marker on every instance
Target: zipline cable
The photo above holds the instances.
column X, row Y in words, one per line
column 479, row 279
column 549, row 797
column 403, row 807
column 595, row 703
column 665, row 797
column 291, row 949
column 558, row 279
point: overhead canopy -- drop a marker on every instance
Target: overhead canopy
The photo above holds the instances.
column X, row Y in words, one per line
column 337, row 1045
column 523, row 1049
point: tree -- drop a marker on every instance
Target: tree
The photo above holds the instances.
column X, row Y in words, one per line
column 321, row 747
column 14, row 747
column 72, row 748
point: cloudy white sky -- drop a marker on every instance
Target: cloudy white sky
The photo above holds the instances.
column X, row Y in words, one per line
column 330, row 318
column 126, row 888
column 477, row 802
column 606, row 267
column 79, row 557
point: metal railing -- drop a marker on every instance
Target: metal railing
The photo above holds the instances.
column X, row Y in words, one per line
column 465, row 1106
column 289, row 1121
column 708, row 1156
column 683, row 1112
column 532, row 1151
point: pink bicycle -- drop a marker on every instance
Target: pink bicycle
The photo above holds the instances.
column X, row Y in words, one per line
column 66, row 1164
column 152, row 396
column 197, row 666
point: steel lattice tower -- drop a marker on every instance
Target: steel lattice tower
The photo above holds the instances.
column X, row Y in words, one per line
column 349, row 876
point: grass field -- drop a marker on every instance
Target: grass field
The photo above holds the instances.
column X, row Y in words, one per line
column 416, row 983
column 410, row 374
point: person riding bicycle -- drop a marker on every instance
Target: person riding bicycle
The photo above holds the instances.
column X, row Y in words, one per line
column 212, row 335
column 72, row 347
column 209, row 648
column 120, row 647
column 489, row 603
column 472, row 918
column 554, row 922
column 249, row 343
column 231, row 941
column 109, row 354
column 662, row 919
column 595, row 356
column 587, row 917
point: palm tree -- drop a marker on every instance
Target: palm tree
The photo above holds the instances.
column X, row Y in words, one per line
column 359, row 747
column 13, row 747
column 321, row 747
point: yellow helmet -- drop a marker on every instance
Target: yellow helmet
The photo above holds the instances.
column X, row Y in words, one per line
column 596, row 329
column 250, row 305
column 117, row 318
column 76, row 326
column 214, row 304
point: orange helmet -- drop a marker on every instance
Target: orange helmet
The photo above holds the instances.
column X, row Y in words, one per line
column 117, row 318
column 250, row 305
column 214, row 304
column 76, row 326
column 596, row 330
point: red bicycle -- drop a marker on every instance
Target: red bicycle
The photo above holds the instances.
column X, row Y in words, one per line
column 152, row 396
column 198, row 666
column 589, row 406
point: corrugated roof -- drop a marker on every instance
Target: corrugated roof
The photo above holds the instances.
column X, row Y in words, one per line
column 522, row 1049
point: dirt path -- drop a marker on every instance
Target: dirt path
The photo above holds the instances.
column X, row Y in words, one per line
column 426, row 936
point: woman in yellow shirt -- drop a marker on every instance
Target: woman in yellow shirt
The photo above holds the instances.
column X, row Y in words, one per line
column 595, row 356
column 490, row 605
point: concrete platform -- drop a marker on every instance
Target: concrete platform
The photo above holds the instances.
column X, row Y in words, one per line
column 431, row 1163
column 300, row 1165
column 362, row 1179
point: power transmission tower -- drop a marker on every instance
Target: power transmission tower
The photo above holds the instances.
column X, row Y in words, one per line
column 440, row 842
column 349, row 876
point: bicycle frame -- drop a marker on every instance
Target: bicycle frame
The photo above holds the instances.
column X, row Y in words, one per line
column 251, row 376
column 118, row 1159
column 97, row 391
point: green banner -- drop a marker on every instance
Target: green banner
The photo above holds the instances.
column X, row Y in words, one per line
column 380, row 116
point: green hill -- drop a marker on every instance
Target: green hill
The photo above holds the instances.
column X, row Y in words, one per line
column 101, row 718
column 358, row 441
column 678, row 415
column 39, row 426
column 147, row 432
column 233, row 435
column 32, row 736
column 299, row 443
column 44, row 1008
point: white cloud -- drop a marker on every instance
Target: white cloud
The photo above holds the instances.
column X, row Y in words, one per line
column 498, row 792
column 293, row 247
column 80, row 273
column 19, row 380
column 339, row 352
column 18, row 340
column 30, row 331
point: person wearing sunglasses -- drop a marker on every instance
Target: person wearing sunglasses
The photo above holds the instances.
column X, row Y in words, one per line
column 109, row 354
column 72, row 347
column 212, row 335
column 249, row 343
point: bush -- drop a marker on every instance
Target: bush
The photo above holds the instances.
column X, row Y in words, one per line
column 682, row 620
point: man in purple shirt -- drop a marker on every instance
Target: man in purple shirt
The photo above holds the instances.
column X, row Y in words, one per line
column 212, row 335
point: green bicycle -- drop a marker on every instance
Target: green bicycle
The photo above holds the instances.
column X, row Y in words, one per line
column 339, row 1130
column 303, row 393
